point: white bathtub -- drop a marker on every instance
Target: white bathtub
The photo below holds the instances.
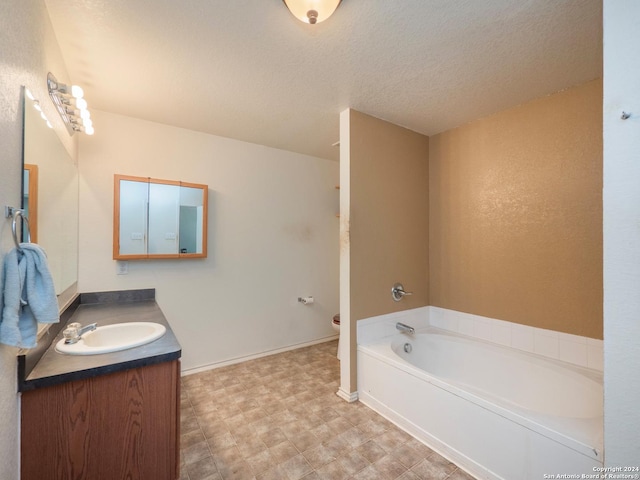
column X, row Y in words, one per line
column 497, row 412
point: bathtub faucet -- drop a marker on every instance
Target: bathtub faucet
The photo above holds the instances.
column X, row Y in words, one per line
column 405, row 328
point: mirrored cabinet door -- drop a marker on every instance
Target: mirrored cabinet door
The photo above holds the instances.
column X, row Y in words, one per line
column 133, row 217
column 191, row 225
column 159, row 219
column 164, row 212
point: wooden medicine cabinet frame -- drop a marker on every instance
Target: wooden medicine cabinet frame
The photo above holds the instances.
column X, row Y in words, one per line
column 30, row 201
column 143, row 236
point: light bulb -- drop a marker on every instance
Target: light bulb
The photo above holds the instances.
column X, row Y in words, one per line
column 85, row 114
column 88, row 130
column 77, row 91
column 87, row 122
column 81, row 103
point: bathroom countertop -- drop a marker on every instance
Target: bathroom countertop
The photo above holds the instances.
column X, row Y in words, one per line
column 51, row 368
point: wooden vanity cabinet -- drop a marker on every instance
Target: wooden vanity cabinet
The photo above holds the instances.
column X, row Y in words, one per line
column 122, row 425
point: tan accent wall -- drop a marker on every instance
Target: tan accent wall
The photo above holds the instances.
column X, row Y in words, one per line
column 388, row 217
column 516, row 214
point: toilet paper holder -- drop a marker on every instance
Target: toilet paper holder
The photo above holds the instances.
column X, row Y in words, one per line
column 305, row 300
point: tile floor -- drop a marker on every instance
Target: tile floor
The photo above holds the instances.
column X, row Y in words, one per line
column 279, row 417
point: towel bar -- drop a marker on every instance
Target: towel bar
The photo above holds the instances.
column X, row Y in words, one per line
column 14, row 213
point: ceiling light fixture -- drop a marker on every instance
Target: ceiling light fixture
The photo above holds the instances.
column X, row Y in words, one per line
column 70, row 105
column 312, row 11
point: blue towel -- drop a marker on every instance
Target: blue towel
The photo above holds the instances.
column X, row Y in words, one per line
column 28, row 295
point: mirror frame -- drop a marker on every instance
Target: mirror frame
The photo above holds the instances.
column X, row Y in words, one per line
column 116, row 218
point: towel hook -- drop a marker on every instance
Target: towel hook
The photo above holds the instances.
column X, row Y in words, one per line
column 14, row 213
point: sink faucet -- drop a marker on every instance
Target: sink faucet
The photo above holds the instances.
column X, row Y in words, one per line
column 74, row 331
column 405, row 328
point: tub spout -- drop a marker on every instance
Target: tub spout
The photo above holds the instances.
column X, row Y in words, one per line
column 405, row 328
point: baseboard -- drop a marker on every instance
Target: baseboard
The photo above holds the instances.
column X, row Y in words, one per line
column 349, row 397
column 233, row 361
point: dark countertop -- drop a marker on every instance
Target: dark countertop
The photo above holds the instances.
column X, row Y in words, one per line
column 51, row 367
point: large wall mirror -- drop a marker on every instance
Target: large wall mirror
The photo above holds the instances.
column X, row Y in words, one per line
column 50, row 197
column 158, row 218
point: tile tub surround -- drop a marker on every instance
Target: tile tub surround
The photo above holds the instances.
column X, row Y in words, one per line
column 278, row 417
column 582, row 351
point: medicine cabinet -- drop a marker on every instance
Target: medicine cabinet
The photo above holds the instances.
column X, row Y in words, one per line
column 155, row 218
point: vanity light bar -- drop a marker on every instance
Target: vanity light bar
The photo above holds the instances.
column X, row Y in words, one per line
column 70, row 105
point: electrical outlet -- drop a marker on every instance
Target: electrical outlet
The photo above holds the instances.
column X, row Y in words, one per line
column 122, row 267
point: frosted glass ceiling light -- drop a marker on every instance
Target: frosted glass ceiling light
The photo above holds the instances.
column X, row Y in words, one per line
column 65, row 98
column 312, row 11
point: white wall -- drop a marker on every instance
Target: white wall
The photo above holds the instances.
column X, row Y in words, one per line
column 621, row 209
column 28, row 50
column 273, row 236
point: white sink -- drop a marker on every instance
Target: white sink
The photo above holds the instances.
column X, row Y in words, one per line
column 113, row 338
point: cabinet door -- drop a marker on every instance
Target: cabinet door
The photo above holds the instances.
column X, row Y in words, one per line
column 121, row 425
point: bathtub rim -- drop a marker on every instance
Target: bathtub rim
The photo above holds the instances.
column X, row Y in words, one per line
column 591, row 373
column 382, row 350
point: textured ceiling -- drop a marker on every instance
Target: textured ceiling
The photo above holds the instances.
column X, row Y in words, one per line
column 247, row 69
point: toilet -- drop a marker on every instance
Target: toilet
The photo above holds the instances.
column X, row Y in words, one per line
column 336, row 326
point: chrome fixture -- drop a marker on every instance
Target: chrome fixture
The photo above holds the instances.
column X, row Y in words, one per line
column 74, row 332
column 405, row 328
column 70, row 105
column 312, row 11
column 407, row 348
column 15, row 213
column 397, row 292
column 625, row 115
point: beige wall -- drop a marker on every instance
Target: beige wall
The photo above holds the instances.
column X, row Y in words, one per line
column 516, row 214
column 385, row 221
column 389, row 217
